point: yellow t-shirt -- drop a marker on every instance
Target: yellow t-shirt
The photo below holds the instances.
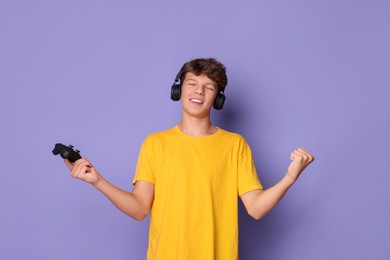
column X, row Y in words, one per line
column 197, row 183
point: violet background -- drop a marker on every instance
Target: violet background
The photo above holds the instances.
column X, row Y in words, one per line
column 97, row 74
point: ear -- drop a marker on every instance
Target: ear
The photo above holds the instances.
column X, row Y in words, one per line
column 176, row 92
column 176, row 88
column 219, row 100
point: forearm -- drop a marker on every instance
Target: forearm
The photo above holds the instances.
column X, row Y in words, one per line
column 125, row 201
column 258, row 202
column 266, row 200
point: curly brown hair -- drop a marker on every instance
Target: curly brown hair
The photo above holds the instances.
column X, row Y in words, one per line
column 210, row 67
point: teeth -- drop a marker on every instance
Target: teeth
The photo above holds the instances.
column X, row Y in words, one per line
column 196, row 100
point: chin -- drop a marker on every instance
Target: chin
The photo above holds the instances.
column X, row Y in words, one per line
column 197, row 114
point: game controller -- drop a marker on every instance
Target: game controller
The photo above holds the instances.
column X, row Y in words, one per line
column 67, row 152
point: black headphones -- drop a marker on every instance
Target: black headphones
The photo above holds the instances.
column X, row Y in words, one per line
column 176, row 93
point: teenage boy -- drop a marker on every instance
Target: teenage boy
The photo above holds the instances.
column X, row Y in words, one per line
column 190, row 176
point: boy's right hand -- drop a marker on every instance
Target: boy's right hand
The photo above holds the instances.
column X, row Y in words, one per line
column 83, row 169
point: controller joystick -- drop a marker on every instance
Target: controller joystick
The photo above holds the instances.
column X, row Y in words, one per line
column 67, row 152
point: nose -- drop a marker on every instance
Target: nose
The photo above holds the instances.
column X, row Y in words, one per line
column 199, row 90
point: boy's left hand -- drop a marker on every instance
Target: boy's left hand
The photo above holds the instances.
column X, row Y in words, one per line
column 300, row 159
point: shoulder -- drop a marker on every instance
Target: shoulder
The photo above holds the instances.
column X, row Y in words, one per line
column 231, row 135
column 161, row 136
column 235, row 140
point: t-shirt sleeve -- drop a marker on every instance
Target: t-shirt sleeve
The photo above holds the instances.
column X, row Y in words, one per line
column 248, row 179
column 146, row 164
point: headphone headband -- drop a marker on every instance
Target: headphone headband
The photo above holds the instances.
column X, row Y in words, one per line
column 178, row 77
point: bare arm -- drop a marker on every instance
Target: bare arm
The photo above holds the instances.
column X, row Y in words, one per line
column 259, row 202
column 135, row 204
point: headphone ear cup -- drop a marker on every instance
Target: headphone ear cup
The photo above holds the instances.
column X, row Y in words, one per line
column 176, row 92
column 219, row 100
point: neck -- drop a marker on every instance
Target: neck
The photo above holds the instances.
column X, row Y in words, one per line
column 197, row 127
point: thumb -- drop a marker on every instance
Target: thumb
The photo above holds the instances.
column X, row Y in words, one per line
column 293, row 156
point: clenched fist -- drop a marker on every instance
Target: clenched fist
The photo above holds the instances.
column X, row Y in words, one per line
column 300, row 159
column 83, row 169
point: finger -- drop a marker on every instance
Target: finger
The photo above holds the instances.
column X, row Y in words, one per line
column 81, row 162
column 85, row 161
column 302, row 149
column 68, row 164
column 89, row 162
column 302, row 154
column 77, row 166
column 296, row 156
column 307, row 153
column 80, row 168
column 81, row 172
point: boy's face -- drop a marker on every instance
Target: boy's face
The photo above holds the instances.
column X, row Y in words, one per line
column 197, row 95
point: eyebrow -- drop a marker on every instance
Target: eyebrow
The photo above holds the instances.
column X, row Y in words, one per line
column 208, row 83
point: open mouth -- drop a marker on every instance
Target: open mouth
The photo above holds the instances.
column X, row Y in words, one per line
column 195, row 100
